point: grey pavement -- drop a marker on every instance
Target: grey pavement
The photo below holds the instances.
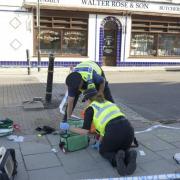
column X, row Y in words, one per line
column 35, row 155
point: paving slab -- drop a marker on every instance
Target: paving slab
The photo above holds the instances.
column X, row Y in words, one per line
column 168, row 154
column 157, row 144
column 8, row 143
column 22, row 173
column 33, row 105
column 158, row 167
column 35, row 138
column 146, row 136
column 94, row 174
column 41, row 161
column 176, row 144
column 148, row 155
column 53, row 139
column 94, row 154
column 34, row 147
column 78, row 161
column 17, row 89
column 167, row 135
column 139, row 172
column 19, row 156
column 55, row 173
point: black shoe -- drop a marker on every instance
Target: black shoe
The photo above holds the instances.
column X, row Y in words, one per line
column 121, row 167
column 131, row 162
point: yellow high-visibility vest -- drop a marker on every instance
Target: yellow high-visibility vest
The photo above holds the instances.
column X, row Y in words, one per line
column 103, row 113
column 86, row 70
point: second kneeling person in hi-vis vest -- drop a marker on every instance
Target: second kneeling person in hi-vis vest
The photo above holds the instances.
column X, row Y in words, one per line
column 116, row 132
column 85, row 75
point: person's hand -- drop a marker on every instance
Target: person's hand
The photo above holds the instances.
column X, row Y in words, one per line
column 64, row 126
column 96, row 145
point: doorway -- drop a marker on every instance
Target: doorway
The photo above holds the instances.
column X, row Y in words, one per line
column 110, row 43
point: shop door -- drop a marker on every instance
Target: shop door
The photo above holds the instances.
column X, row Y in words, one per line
column 110, row 44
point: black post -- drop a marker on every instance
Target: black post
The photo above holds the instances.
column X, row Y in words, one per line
column 39, row 61
column 50, row 78
column 28, row 62
column 39, row 31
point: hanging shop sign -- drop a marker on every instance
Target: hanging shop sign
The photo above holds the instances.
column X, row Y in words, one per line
column 112, row 5
column 109, row 44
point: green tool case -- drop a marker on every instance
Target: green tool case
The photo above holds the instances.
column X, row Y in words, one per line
column 6, row 127
column 75, row 123
column 70, row 141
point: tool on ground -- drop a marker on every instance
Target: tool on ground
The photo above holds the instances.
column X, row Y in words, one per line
column 70, row 141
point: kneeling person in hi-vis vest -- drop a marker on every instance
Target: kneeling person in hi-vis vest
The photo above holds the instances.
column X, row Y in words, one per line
column 85, row 75
column 116, row 132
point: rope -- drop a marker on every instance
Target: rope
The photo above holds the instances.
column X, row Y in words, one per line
column 155, row 127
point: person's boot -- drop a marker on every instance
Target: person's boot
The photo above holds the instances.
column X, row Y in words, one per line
column 131, row 161
column 121, row 167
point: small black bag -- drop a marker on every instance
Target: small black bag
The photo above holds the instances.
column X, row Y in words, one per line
column 8, row 164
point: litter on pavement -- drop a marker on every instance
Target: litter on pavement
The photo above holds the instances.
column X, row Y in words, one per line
column 15, row 138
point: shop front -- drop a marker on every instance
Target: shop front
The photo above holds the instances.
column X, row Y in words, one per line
column 155, row 37
column 109, row 32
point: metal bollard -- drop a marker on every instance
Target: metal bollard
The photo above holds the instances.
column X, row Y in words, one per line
column 50, row 78
column 28, row 62
column 39, row 60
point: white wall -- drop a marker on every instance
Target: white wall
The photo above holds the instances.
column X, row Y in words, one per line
column 92, row 31
column 127, row 42
column 176, row 1
column 21, row 32
column 11, row 2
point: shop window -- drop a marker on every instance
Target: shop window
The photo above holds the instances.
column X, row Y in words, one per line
column 155, row 36
column 50, row 41
column 143, row 44
column 61, row 33
column 169, row 45
column 74, row 43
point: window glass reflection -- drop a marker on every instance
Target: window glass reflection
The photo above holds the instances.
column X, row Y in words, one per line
column 74, row 42
column 50, row 41
column 169, row 45
column 143, row 44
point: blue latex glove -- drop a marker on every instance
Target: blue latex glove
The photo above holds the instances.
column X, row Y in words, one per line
column 64, row 126
column 96, row 145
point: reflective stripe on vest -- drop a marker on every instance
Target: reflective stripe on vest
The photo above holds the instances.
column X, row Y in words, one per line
column 103, row 113
column 88, row 66
column 86, row 71
column 103, row 109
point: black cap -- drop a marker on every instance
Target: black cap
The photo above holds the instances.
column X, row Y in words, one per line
column 73, row 80
column 89, row 93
